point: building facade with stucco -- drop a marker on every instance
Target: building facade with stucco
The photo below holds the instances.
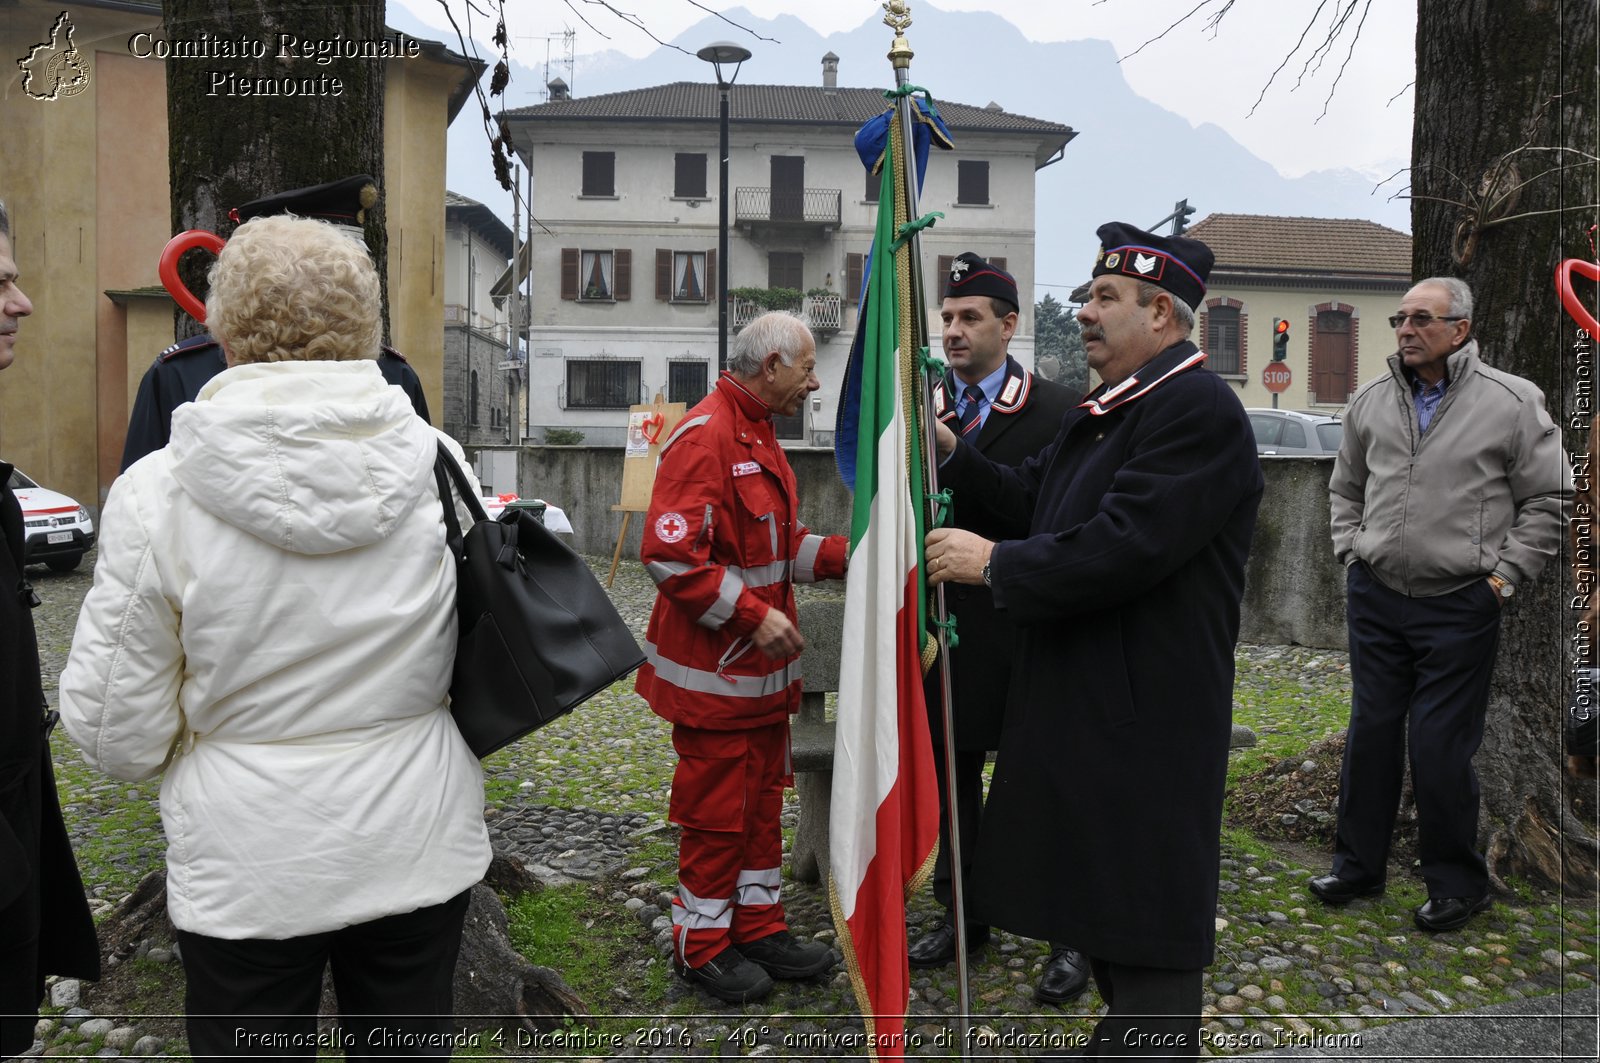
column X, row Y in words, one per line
column 84, row 174
column 625, row 270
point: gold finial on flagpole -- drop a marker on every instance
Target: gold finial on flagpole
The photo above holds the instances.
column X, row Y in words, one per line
column 898, row 17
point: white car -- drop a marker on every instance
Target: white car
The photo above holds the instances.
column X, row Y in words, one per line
column 58, row 530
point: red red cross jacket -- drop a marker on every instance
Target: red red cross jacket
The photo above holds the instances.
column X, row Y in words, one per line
column 724, row 543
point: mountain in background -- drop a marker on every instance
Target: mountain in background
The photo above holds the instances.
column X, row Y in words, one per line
column 1131, row 161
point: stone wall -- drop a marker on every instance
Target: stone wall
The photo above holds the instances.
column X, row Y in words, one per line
column 1294, row 590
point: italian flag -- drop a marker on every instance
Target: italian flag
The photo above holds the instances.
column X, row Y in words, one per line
column 885, row 810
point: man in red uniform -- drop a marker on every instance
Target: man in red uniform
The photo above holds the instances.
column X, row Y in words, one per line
column 724, row 543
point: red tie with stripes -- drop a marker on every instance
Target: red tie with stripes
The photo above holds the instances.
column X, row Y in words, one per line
column 969, row 422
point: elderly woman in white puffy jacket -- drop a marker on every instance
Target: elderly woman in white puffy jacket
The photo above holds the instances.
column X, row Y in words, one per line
column 272, row 624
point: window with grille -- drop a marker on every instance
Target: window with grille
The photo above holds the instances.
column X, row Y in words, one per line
column 686, row 381
column 1222, row 339
column 690, row 179
column 602, row 384
column 972, row 182
column 599, row 173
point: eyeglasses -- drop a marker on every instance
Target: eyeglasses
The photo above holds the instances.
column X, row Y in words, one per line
column 1422, row 320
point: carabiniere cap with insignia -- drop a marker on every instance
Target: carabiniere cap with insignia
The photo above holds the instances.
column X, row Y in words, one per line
column 343, row 202
column 1176, row 263
column 971, row 275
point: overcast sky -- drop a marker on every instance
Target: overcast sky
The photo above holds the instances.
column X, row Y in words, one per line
column 1202, row 75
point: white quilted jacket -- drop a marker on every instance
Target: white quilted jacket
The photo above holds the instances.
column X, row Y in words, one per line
column 272, row 623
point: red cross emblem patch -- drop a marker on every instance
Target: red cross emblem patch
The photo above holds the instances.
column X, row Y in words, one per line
column 671, row 527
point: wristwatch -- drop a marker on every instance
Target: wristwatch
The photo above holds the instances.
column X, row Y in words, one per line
column 1502, row 586
column 986, row 565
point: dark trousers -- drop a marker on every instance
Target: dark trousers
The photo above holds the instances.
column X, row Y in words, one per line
column 1420, row 671
column 969, row 812
column 1151, row 1012
column 393, row 977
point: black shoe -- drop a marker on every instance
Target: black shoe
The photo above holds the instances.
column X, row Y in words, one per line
column 1449, row 913
column 729, row 976
column 937, row 947
column 781, row 956
column 1066, row 976
column 1331, row 889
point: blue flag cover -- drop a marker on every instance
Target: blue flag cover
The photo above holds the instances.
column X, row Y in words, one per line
column 872, row 140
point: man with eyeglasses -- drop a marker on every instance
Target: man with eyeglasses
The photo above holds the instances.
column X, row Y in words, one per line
column 1447, row 496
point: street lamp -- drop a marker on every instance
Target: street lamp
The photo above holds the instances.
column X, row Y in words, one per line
column 718, row 53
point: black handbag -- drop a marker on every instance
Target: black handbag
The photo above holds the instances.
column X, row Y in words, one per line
column 538, row 636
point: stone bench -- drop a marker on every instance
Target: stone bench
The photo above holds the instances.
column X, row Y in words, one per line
column 812, row 734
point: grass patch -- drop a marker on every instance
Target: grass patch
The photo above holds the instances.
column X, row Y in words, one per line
column 1287, row 713
column 597, row 945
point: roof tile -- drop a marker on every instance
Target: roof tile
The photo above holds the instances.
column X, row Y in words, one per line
column 1304, row 245
column 811, row 104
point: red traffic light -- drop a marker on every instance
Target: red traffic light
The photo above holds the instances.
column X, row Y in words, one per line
column 1280, row 339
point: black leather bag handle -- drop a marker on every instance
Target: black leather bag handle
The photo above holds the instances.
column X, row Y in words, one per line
column 445, row 469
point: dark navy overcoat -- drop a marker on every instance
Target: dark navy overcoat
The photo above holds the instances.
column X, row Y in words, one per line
column 1122, row 580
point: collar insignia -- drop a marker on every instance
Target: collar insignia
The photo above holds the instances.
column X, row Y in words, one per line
column 1008, row 394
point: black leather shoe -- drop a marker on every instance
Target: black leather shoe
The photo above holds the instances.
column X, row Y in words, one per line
column 938, row 946
column 1066, row 976
column 1449, row 913
column 729, row 976
column 782, row 956
column 1331, row 889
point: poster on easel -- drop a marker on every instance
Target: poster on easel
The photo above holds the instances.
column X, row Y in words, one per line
column 649, row 426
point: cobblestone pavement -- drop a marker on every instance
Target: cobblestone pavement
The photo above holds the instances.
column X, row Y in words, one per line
column 583, row 801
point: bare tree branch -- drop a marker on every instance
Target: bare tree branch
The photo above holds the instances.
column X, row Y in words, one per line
column 1350, row 52
column 1181, row 21
column 638, row 23
column 1320, row 5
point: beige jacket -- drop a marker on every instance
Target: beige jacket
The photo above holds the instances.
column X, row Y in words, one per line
column 1482, row 491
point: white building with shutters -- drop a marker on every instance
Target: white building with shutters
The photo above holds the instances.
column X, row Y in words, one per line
column 624, row 272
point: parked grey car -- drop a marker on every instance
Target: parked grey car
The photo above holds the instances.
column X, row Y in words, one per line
column 1283, row 432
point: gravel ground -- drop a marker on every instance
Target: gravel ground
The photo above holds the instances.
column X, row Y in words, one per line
column 583, row 801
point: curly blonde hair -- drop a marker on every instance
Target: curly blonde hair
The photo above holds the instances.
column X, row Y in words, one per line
column 287, row 288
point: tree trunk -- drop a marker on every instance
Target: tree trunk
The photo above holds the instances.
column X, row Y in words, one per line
column 236, row 133
column 1500, row 85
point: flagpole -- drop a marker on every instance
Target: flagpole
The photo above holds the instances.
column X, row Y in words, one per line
column 898, row 18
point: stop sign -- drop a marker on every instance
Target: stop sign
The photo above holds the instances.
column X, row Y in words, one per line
column 1275, row 377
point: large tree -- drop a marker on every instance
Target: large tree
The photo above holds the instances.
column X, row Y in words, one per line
column 1503, row 186
column 236, row 133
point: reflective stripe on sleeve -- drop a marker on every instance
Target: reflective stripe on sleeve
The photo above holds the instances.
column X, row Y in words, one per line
column 758, row 887
column 700, row 681
column 805, row 562
column 727, row 600
column 760, row 576
column 693, row 422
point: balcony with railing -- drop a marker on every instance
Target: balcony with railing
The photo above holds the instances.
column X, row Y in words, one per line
column 760, row 211
column 824, row 313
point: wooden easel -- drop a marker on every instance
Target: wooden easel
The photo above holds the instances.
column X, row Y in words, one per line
column 649, row 426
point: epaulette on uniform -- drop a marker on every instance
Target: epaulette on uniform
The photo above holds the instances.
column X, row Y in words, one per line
column 192, row 345
column 392, row 353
